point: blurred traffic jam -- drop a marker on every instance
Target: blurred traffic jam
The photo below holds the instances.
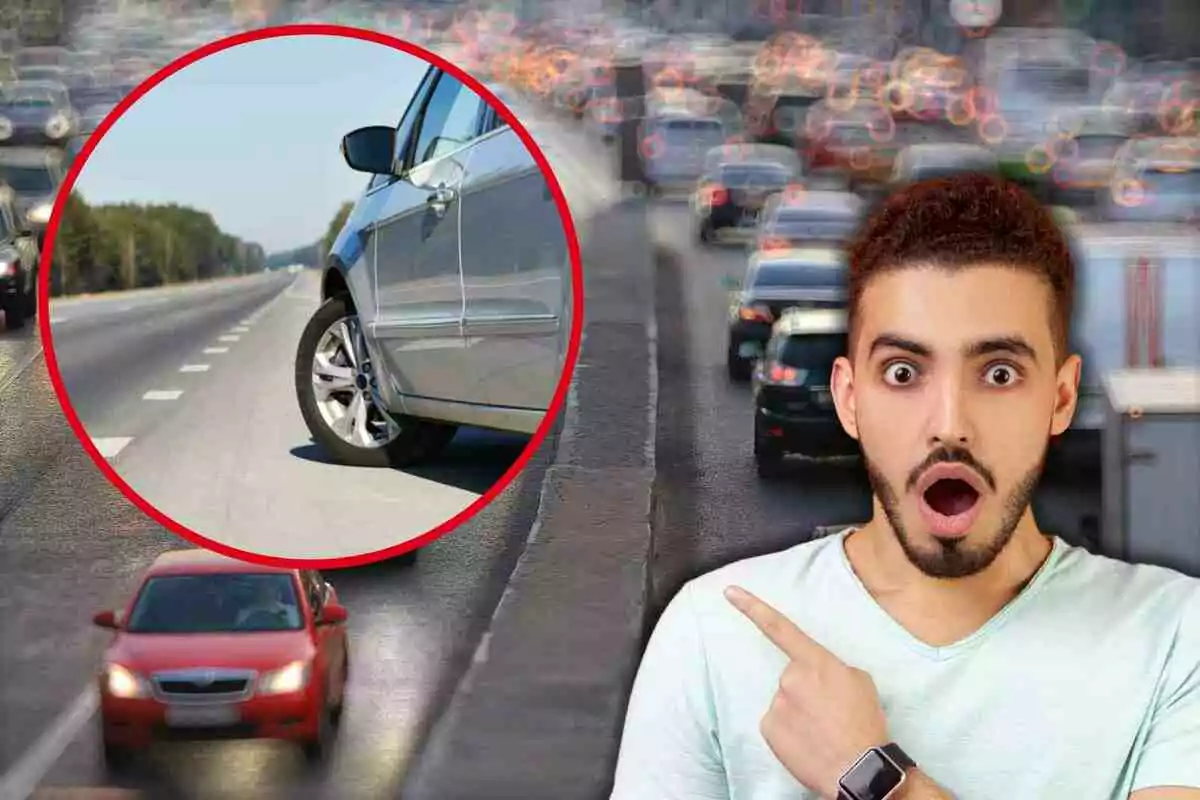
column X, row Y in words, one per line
column 780, row 138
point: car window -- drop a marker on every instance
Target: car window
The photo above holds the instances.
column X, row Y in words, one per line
column 219, row 602
column 806, row 276
column 405, row 126
column 314, row 587
column 811, row 351
column 451, row 120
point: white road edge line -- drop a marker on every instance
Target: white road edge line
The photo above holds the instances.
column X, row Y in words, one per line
column 111, row 446
column 194, row 368
column 23, row 777
column 210, row 351
column 162, row 394
column 229, row 338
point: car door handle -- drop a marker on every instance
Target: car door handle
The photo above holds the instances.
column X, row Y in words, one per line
column 442, row 197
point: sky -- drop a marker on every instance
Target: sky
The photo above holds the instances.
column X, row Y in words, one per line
column 252, row 135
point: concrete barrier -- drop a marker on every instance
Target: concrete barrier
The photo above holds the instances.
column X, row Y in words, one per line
column 539, row 711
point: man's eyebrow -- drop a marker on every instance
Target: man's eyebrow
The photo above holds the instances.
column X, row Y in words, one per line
column 1014, row 345
column 899, row 343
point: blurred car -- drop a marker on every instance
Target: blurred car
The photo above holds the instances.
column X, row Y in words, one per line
column 1087, row 152
column 921, row 162
column 36, row 112
column 806, row 277
column 1155, row 180
column 793, row 402
column 732, row 195
column 795, row 218
column 33, row 175
column 674, row 146
column 212, row 647
column 19, row 257
column 852, row 140
column 445, row 296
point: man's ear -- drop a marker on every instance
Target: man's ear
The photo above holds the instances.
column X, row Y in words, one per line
column 842, row 387
column 1066, row 394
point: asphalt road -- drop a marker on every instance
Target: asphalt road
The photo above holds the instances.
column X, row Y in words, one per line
column 190, row 396
column 71, row 545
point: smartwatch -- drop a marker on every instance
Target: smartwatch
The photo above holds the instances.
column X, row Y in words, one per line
column 876, row 774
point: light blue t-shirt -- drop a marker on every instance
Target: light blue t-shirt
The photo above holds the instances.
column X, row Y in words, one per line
column 1085, row 687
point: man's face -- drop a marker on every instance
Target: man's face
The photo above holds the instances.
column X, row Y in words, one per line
column 953, row 395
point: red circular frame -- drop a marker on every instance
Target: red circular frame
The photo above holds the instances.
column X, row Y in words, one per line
column 577, row 310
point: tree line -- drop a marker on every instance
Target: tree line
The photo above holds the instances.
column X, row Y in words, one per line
column 130, row 246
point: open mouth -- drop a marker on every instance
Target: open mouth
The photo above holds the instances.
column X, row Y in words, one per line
column 950, row 501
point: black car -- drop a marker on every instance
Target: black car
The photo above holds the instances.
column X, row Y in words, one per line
column 733, row 194
column 778, row 280
column 790, row 220
column 793, row 402
column 18, row 267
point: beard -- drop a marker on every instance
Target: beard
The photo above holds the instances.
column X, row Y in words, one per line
column 955, row 558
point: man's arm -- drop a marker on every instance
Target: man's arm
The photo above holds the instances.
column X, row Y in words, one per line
column 919, row 786
column 669, row 747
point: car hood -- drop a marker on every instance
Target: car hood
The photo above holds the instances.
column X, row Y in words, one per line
column 152, row 652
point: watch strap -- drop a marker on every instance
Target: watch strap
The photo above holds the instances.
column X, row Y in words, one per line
column 901, row 758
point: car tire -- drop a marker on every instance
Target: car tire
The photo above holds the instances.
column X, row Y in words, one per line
column 317, row 748
column 704, row 233
column 31, row 299
column 768, row 457
column 739, row 369
column 116, row 757
column 418, row 440
column 14, row 313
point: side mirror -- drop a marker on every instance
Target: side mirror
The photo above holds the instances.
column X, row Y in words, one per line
column 106, row 619
column 332, row 614
column 370, row 149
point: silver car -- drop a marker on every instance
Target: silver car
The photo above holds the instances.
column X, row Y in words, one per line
column 446, row 295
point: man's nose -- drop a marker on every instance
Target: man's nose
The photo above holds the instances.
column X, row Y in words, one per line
column 950, row 419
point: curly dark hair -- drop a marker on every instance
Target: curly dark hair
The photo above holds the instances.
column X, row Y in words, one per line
column 963, row 221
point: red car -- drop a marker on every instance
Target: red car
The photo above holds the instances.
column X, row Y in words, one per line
column 212, row 647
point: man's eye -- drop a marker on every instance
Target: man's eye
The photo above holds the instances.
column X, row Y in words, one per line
column 899, row 373
column 1002, row 375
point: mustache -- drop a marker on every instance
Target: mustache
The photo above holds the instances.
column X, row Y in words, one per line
column 951, row 455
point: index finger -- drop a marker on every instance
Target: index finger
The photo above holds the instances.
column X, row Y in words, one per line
column 783, row 633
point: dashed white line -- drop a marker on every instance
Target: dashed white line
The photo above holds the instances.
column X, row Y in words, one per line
column 240, row 329
column 23, row 778
column 57, row 320
column 110, row 446
column 163, row 394
column 229, row 338
column 212, row 351
column 194, row 368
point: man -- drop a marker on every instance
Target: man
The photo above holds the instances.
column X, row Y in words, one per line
column 266, row 602
column 947, row 648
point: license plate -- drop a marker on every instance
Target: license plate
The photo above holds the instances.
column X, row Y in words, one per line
column 749, row 349
column 202, row 716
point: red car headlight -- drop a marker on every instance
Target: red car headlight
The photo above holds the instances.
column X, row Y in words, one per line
column 292, row 678
column 124, row 683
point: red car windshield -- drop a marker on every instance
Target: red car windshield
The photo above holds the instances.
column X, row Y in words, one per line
column 216, row 603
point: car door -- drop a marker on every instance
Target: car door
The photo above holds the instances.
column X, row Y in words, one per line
column 418, row 324
column 516, row 274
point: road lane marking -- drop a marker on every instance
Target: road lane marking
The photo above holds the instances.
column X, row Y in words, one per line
column 240, row 329
column 57, row 320
column 162, row 394
column 194, row 368
column 247, row 322
column 212, row 351
column 229, row 338
column 110, row 446
column 23, row 777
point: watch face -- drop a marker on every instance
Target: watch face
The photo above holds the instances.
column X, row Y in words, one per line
column 872, row 777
